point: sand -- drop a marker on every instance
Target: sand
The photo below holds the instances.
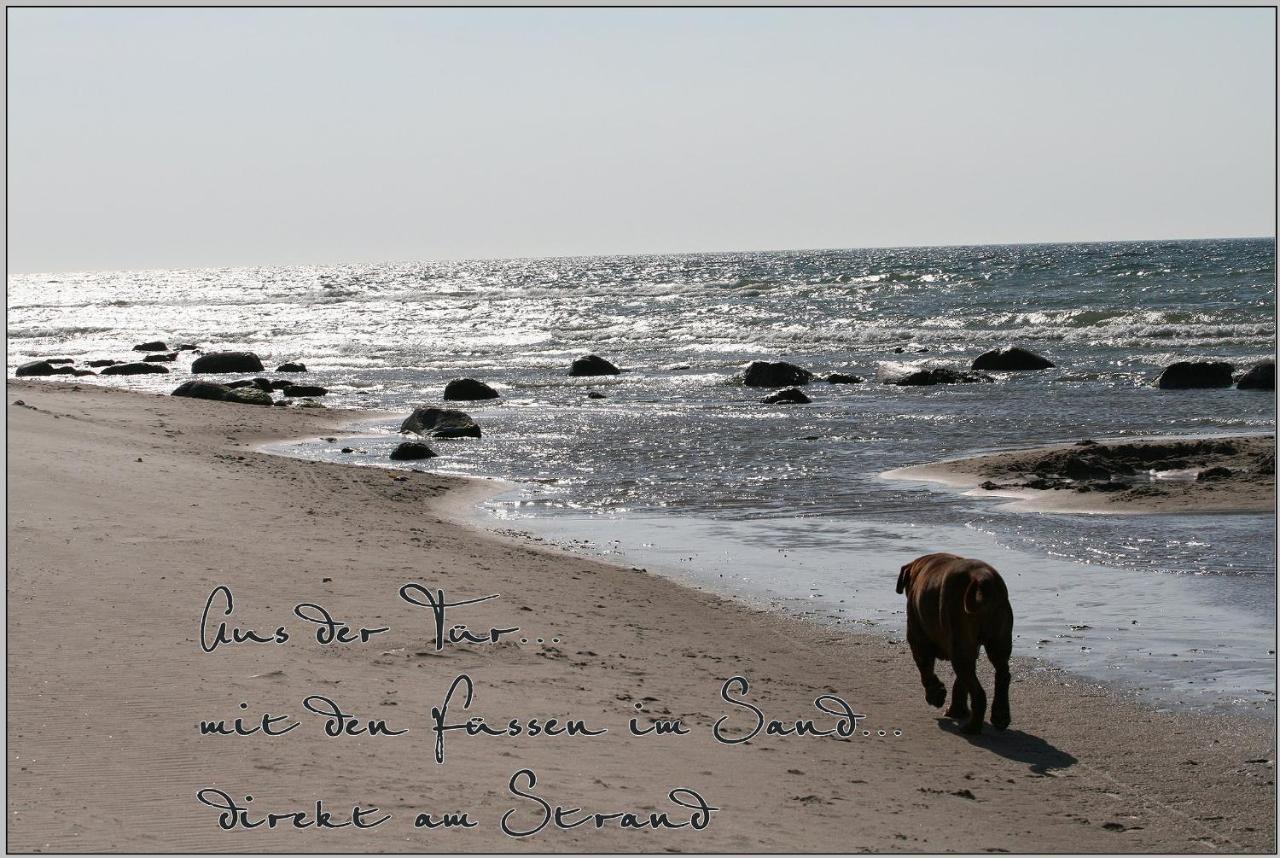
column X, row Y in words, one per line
column 1232, row 474
column 126, row 510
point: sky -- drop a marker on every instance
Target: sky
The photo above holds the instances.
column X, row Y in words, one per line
column 172, row 138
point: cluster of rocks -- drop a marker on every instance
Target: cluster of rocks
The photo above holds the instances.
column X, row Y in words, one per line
column 1188, row 374
column 788, row 375
column 1079, row 471
column 447, row 423
column 50, row 366
column 432, row 422
column 157, row 352
column 248, row 391
column 251, row 391
column 1180, row 375
column 1114, row 467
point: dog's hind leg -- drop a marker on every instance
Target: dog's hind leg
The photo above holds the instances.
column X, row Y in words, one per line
column 934, row 691
column 998, row 655
column 967, row 674
column 959, row 708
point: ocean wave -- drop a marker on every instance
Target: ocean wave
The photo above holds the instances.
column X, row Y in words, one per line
column 57, row 332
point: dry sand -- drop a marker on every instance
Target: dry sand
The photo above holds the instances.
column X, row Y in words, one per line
column 111, row 560
column 1148, row 475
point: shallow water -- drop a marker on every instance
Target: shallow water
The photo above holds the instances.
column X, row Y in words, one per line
column 677, row 449
column 1157, row 635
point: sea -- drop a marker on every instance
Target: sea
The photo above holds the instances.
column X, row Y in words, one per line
column 682, row 471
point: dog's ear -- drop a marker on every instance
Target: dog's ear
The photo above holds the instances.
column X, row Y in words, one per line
column 904, row 576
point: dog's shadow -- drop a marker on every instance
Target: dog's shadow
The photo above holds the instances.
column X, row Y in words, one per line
column 1015, row 745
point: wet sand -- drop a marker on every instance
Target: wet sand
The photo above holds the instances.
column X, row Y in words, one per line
column 1146, row 475
column 127, row 510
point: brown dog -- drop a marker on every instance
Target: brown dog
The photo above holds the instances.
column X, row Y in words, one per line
column 954, row 606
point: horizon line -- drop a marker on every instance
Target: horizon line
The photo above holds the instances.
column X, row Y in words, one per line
column 642, row 254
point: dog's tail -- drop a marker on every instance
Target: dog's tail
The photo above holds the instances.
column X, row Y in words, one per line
column 981, row 594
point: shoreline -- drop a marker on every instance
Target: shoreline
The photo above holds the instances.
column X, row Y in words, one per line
column 1108, row 478
column 1070, row 634
column 204, row 507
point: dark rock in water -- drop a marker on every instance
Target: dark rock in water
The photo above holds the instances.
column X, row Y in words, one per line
column 409, row 450
column 790, row 396
column 469, row 389
column 283, row 402
column 347, row 450
column 595, row 394
column 761, row 373
column 1187, row 374
column 305, row 390
column 934, row 375
column 227, row 362
column 440, row 423
column 280, row 383
column 1011, row 358
column 165, row 358
column 83, row 372
column 292, row 367
column 185, row 347
column 63, row 369
column 133, row 369
column 1261, row 376
column 240, row 382
column 592, row 365
column 309, row 403
column 249, row 396
column 58, row 360
column 844, row 378
column 898, row 350
column 1211, row 474
column 262, row 384
column 103, row 362
column 202, row 390
column 153, row 346
column 35, row 367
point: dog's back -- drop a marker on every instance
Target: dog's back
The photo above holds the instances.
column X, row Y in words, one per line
column 957, row 601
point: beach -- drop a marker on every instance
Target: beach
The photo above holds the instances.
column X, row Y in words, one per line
column 128, row 510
